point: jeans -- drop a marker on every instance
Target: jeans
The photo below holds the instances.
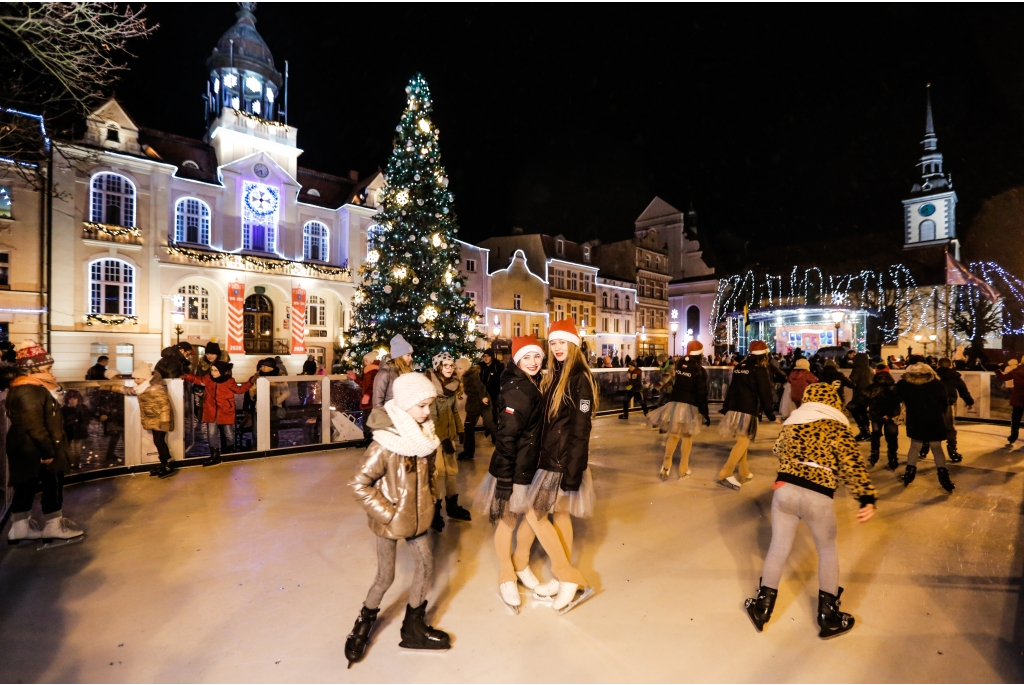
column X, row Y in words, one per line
column 891, row 431
column 423, row 569
column 469, row 442
column 52, row 485
column 214, row 433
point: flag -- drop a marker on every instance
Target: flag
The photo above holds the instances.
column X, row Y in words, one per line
column 957, row 274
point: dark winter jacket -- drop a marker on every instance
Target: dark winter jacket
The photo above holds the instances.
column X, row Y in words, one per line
column 172, row 364
column 565, row 442
column 382, row 391
column 1017, row 392
column 691, row 384
column 76, row 421
column 36, row 433
column 517, row 440
column 491, row 377
column 955, row 385
column 830, row 374
column 881, row 399
column 750, row 390
column 925, row 397
column 861, row 374
column 219, row 398
column 96, row 372
column 634, row 380
column 475, row 389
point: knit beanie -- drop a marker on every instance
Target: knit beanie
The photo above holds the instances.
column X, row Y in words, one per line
column 142, row 372
column 400, row 348
column 370, row 357
column 694, row 347
column 184, row 346
column 224, row 368
column 759, row 347
column 31, row 354
column 803, row 365
column 463, row 364
column 111, row 374
column 523, row 345
column 213, row 347
column 412, row 388
column 565, row 330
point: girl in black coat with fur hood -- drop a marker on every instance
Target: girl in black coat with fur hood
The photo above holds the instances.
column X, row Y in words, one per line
column 925, row 398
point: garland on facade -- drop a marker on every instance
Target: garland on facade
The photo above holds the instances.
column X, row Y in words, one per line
column 261, row 120
column 114, row 231
column 276, row 265
column 111, row 319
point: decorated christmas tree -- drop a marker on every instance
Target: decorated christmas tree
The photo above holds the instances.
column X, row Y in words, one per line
column 411, row 283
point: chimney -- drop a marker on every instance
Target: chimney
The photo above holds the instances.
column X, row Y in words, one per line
column 353, row 175
column 516, row 230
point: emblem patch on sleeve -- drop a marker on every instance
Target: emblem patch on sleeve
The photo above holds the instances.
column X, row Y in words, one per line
column 584, row 406
column 510, row 410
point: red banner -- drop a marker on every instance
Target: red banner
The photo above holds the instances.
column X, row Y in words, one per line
column 236, row 302
column 298, row 321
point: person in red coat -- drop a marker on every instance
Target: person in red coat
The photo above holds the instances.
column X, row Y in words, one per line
column 1015, row 375
column 371, row 366
column 219, row 406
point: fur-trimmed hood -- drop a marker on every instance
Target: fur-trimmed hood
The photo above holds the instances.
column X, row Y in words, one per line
column 919, row 374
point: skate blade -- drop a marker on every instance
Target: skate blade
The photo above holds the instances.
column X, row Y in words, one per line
column 423, row 650
column 514, row 608
column 587, row 594
column 24, row 542
column 51, row 544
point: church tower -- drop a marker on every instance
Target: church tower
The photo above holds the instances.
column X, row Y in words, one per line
column 929, row 215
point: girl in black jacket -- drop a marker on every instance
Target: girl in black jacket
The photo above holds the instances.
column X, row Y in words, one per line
column 925, row 398
column 562, row 485
column 750, row 393
column 503, row 494
column 686, row 411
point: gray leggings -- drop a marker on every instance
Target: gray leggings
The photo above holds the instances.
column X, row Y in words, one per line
column 423, row 569
column 790, row 504
column 936, row 447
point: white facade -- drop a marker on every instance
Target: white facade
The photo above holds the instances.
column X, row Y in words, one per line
column 615, row 322
column 692, row 303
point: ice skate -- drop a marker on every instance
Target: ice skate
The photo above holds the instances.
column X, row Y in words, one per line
column 437, row 525
column 540, row 590
column 730, row 483
column 664, row 473
column 909, row 475
column 873, row 459
column 213, row 459
column 686, row 475
column 23, row 529
column 509, row 593
column 831, row 620
column 944, row 480
column 416, row 634
column 749, row 477
column 570, row 595
column 455, row 511
column 359, row 638
column 59, row 530
column 894, row 462
column 760, row 608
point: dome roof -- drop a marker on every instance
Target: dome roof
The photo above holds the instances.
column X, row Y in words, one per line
column 243, row 47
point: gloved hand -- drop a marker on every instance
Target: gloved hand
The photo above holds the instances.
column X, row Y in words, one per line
column 503, row 490
column 707, row 420
column 462, row 438
column 448, row 446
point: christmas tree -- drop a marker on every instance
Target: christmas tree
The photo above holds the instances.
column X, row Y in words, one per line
column 411, row 283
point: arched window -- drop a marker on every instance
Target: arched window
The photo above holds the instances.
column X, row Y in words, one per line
column 616, row 300
column 192, row 221
column 314, row 241
column 258, row 325
column 604, row 300
column 113, row 201
column 195, row 302
column 111, row 287
column 693, row 320
column 316, row 317
column 927, row 230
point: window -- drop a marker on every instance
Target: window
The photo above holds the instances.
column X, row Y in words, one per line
column 586, row 254
column 587, row 278
column 693, row 321
column 125, row 358
column 657, row 263
column 111, row 287
column 604, row 300
column 5, row 202
column 113, row 135
column 517, row 301
column 471, row 295
column 927, row 230
column 574, row 281
column 471, row 265
column 647, row 261
column 616, row 300
column 517, row 329
column 574, row 313
column 314, row 241
column 195, row 302
column 658, row 291
column 318, row 354
column 258, row 325
column 316, row 317
column 5, row 261
column 192, row 221
column 559, row 312
column 586, row 315
column 627, row 303
column 560, row 247
column 113, row 201
column 260, row 205
column 536, row 330
column 604, row 324
column 627, row 327
column 616, row 325
column 560, row 279
column 190, row 164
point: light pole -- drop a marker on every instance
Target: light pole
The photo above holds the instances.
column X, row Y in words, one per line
column 837, row 319
column 178, row 318
column 674, row 327
column 917, row 338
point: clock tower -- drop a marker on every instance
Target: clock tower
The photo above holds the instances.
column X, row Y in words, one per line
column 929, row 214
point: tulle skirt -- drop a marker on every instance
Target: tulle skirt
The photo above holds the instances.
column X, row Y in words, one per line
column 677, row 418
column 497, row 509
column 545, row 495
column 737, row 423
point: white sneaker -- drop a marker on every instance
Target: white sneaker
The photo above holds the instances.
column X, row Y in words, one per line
column 527, row 578
column 510, row 594
column 60, row 528
column 24, row 529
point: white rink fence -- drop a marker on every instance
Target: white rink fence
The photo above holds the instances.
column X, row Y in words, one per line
column 307, row 413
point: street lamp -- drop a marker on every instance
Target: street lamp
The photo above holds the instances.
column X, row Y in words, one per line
column 837, row 319
column 178, row 318
column 643, row 340
column 674, row 327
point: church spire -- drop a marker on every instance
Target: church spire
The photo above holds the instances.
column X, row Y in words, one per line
column 931, row 160
column 930, row 141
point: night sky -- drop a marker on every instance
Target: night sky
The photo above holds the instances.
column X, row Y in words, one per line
column 779, row 124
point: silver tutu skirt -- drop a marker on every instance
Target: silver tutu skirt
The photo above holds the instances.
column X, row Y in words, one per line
column 677, row 418
column 736, row 424
column 545, row 495
column 509, row 510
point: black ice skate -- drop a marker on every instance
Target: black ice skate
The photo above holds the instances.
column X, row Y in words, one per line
column 213, row 459
column 831, row 620
column 954, row 456
column 909, row 475
column 437, row 525
column 455, row 511
column 873, row 459
column 355, row 645
column 894, row 461
column 760, row 608
column 944, row 480
column 416, row 634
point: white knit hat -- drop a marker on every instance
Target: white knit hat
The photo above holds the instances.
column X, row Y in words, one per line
column 412, row 388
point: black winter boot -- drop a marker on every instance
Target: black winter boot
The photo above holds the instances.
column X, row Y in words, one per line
column 864, row 434
column 760, row 608
column 438, row 523
column 873, row 459
column 355, row 645
column 894, row 460
column 944, row 480
column 456, row 512
column 213, row 459
column 908, row 475
column 416, row 634
column 831, row 620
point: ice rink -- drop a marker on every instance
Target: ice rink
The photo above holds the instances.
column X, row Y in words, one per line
column 254, row 572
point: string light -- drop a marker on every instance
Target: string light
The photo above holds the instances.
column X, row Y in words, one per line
column 113, row 231
column 232, row 260
column 110, row 319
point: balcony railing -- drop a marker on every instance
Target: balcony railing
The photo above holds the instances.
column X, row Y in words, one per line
column 245, row 262
column 127, row 235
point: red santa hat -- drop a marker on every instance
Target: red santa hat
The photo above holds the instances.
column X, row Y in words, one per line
column 694, row 347
column 759, row 347
column 523, row 345
column 565, row 330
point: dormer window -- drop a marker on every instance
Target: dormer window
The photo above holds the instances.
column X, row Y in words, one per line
column 560, row 247
column 189, row 164
column 586, row 253
column 113, row 135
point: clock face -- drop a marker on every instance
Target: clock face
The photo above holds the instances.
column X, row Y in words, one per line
column 261, row 170
column 926, row 210
column 261, row 200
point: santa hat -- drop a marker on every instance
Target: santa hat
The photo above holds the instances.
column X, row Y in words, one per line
column 565, row 330
column 523, row 345
column 31, row 354
column 759, row 347
column 694, row 347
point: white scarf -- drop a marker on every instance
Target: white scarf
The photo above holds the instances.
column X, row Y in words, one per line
column 809, row 412
column 407, row 438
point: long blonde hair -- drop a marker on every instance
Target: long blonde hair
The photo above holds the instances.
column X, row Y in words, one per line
column 402, row 366
column 575, row 362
